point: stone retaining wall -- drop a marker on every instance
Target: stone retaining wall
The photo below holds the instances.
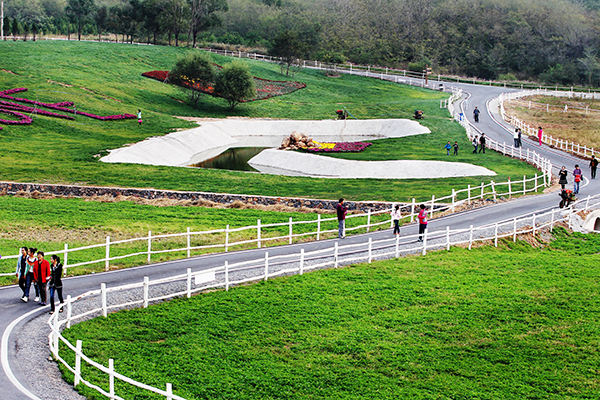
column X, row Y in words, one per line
column 222, row 198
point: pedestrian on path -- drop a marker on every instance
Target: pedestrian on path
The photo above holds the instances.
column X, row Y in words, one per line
column 577, row 177
column 31, row 262
column 475, row 144
column 455, row 146
column 22, row 270
column 422, row 221
column 562, row 177
column 482, row 143
column 593, row 166
column 540, row 134
column 476, row 113
column 396, row 216
column 41, row 274
column 341, row 216
column 448, row 146
column 516, row 138
column 55, row 283
column 520, row 141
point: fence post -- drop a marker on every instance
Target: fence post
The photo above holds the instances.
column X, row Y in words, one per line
column 169, row 391
column 106, row 262
column 482, row 189
column 515, row 230
column 533, row 223
column 509, row 188
column 111, row 378
column 78, row 346
column 146, row 290
column 469, row 194
column 266, row 265
column 335, row 255
column 397, row 246
column 65, row 259
column 447, row 238
column 226, row 238
column 149, row 245
column 552, row 221
column 258, row 232
column 587, row 203
column 524, row 184
column 188, row 242
column 55, row 333
column 104, row 306
column 412, row 210
column 493, row 189
column 425, row 242
column 496, row 235
column 226, row 276
column 470, row 237
column 291, row 230
column 368, row 220
column 453, row 197
column 301, row 261
column 536, row 183
column 189, row 283
column 432, row 204
column 69, row 311
column 318, row 227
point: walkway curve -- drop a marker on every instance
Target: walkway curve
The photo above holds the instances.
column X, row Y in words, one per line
column 15, row 381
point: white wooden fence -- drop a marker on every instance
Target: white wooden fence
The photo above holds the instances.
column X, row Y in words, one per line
column 270, row 267
column 564, row 145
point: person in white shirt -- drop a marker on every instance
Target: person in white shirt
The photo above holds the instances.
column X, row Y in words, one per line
column 396, row 215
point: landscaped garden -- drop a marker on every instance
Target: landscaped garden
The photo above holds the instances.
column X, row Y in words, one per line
column 513, row 322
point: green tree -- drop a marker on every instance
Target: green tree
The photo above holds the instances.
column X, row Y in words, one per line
column 101, row 19
column 79, row 10
column 26, row 31
column 174, row 18
column 288, row 48
column 234, row 83
column 194, row 68
column 34, row 30
column 203, row 15
column 7, row 27
column 16, row 29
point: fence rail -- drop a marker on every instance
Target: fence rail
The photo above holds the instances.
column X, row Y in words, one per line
column 561, row 144
column 269, row 267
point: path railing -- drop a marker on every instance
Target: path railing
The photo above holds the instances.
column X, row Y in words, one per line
column 144, row 293
column 564, row 145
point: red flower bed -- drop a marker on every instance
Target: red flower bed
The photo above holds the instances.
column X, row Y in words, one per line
column 342, row 147
column 14, row 108
column 265, row 88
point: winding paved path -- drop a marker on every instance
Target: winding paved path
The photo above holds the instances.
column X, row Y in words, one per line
column 16, row 382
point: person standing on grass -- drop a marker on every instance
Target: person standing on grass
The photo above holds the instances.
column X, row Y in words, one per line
column 475, row 144
column 476, row 113
column 341, row 216
column 482, row 143
column 448, row 146
column 422, row 221
column 31, row 261
column 562, row 177
column 540, row 134
column 41, row 274
column 396, row 216
column 577, row 177
column 593, row 167
column 516, row 137
column 139, row 116
column 455, row 146
column 55, row 283
column 22, row 270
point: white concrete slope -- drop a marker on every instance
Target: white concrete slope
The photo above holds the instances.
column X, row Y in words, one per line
column 213, row 137
column 290, row 163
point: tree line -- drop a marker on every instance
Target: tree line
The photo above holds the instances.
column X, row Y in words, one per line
column 555, row 41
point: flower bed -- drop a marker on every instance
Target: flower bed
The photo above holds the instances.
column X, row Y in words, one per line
column 14, row 108
column 265, row 88
column 341, row 147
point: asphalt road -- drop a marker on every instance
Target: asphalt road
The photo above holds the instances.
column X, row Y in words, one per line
column 11, row 308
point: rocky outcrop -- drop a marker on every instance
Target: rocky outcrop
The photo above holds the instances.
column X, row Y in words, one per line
column 296, row 141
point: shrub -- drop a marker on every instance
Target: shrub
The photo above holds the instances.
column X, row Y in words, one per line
column 234, row 83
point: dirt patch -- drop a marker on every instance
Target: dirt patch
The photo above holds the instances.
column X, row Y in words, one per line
column 8, row 72
column 60, row 83
column 101, row 95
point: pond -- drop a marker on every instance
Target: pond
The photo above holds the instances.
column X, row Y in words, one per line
column 232, row 159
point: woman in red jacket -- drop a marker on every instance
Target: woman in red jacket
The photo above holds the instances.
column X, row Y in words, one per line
column 41, row 274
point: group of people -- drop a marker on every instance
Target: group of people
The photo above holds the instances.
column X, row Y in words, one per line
column 577, row 178
column 479, row 142
column 517, row 138
column 45, row 276
column 449, row 146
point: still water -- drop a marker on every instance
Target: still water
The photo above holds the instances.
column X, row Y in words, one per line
column 232, row 159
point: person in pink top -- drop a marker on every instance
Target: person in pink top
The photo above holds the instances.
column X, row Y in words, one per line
column 540, row 133
column 422, row 221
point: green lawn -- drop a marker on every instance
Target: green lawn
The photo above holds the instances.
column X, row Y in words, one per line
column 513, row 322
column 105, row 78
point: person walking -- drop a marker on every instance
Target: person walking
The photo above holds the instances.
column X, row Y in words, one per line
column 516, row 137
column 41, row 274
column 22, row 270
column 593, row 167
column 562, row 177
column 482, row 143
column 455, row 146
column 577, row 177
column 422, row 221
column 448, row 146
column 476, row 113
column 520, row 134
column 341, row 216
column 396, row 216
column 55, row 283
column 475, row 144
column 31, row 260
column 139, row 116
column 540, row 134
